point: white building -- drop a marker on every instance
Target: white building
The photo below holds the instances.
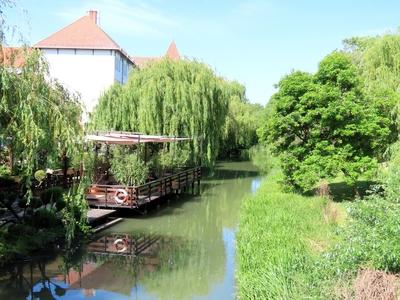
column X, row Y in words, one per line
column 85, row 59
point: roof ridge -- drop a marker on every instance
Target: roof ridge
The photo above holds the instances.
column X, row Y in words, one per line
column 83, row 33
column 58, row 31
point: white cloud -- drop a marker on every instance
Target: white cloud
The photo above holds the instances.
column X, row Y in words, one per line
column 132, row 18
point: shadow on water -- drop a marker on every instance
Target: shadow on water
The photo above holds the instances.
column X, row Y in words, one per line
column 183, row 250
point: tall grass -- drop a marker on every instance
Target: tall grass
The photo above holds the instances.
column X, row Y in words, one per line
column 281, row 237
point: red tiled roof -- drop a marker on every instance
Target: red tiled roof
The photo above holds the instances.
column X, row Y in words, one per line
column 172, row 53
column 12, row 56
column 84, row 33
column 142, row 61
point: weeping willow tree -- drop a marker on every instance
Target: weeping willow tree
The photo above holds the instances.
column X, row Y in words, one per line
column 173, row 98
column 38, row 117
column 241, row 124
column 378, row 61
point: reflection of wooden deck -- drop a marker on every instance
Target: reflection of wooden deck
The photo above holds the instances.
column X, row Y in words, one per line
column 123, row 245
column 103, row 196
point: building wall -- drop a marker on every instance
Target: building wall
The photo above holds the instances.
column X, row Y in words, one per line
column 87, row 72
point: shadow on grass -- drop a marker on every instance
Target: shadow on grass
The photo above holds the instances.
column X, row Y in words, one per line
column 340, row 191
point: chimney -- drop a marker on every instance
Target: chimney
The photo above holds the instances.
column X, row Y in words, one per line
column 93, row 16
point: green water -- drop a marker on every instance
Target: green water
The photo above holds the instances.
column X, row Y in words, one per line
column 184, row 250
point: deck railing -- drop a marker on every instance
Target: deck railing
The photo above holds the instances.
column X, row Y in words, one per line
column 103, row 195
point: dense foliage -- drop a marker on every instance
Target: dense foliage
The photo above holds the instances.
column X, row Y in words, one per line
column 342, row 120
column 377, row 61
column 39, row 125
column 129, row 169
column 180, row 98
column 39, row 119
column 372, row 238
column 322, row 125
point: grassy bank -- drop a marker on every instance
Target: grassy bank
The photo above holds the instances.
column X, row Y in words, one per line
column 281, row 238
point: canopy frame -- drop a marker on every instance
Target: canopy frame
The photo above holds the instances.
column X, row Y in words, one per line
column 130, row 138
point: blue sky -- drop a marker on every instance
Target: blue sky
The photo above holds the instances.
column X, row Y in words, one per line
column 253, row 41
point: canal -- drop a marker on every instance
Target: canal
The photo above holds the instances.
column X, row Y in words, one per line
column 183, row 250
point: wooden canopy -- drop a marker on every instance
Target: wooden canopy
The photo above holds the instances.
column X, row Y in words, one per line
column 130, row 138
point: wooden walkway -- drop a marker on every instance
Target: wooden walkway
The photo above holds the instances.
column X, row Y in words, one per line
column 134, row 197
column 94, row 215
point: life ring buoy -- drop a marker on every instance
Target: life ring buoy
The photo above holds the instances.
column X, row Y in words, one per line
column 121, row 196
column 121, row 245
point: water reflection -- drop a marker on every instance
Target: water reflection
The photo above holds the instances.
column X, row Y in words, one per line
column 183, row 251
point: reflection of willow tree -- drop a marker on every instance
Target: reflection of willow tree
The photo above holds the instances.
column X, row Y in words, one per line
column 186, row 269
column 193, row 268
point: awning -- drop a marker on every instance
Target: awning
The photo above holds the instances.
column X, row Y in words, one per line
column 126, row 138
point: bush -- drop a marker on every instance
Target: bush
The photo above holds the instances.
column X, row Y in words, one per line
column 52, row 195
column 7, row 182
column 35, row 202
column 262, row 158
column 129, row 169
column 60, row 204
column 174, row 158
column 40, row 175
column 372, row 238
column 7, row 198
column 23, row 239
column 22, row 202
column 4, row 171
column 44, row 218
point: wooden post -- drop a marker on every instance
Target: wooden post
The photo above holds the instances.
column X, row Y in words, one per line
column 186, row 181
column 149, row 189
column 107, row 161
column 198, row 173
column 10, row 158
column 106, row 196
column 145, row 153
column 65, row 168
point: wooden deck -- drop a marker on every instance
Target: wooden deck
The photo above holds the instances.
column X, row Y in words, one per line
column 104, row 196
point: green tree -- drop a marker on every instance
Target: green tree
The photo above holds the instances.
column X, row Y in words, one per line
column 322, row 125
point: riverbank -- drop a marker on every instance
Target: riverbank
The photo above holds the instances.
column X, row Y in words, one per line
column 291, row 246
column 281, row 238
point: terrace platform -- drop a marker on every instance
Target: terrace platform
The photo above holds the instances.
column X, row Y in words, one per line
column 105, row 196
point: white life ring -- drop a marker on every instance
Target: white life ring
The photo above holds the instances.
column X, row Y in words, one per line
column 120, row 196
column 121, row 242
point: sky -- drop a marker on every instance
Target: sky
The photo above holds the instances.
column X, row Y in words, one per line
column 255, row 42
